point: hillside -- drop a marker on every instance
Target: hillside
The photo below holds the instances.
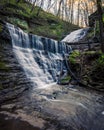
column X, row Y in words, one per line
column 45, row 24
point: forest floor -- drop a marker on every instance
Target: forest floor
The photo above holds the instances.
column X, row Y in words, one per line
column 45, row 24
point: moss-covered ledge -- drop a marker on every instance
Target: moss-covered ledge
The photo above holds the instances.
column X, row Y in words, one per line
column 89, row 68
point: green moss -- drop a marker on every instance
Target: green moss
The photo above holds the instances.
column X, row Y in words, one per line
column 97, row 70
column 89, row 52
column 100, row 61
column 75, row 54
column 3, row 66
column 20, row 23
column 66, row 79
column 46, row 24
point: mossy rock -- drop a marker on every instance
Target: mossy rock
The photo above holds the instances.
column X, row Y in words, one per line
column 3, row 66
column 73, row 56
column 20, row 23
column 66, row 79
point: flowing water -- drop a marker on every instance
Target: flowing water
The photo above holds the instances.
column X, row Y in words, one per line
column 76, row 36
column 48, row 106
column 40, row 57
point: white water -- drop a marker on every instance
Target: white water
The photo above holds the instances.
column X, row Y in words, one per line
column 76, row 36
column 40, row 57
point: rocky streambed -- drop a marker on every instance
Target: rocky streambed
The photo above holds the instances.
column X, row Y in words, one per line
column 54, row 108
column 51, row 107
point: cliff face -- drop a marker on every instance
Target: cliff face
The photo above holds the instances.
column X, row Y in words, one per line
column 13, row 80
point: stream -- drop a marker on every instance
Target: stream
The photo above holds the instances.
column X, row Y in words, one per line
column 54, row 108
column 46, row 105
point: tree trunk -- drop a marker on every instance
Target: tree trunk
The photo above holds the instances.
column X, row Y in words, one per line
column 78, row 8
column 33, row 6
column 72, row 11
column 100, row 15
column 59, row 8
column 41, row 4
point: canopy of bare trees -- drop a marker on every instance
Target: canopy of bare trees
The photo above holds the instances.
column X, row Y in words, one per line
column 74, row 11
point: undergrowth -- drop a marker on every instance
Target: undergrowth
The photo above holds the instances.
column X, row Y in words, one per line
column 72, row 57
column 46, row 24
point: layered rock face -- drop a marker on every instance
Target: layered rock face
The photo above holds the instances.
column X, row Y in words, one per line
column 38, row 57
column 13, row 80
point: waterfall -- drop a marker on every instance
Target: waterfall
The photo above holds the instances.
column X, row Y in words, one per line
column 76, row 36
column 40, row 57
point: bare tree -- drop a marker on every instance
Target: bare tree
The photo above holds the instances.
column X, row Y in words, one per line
column 33, row 6
column 59, row 8
column 41, row 4
column 100, row 15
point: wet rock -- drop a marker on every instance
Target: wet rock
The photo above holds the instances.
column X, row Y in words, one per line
column 74, row 82
column 5, row 33
column 12, row 77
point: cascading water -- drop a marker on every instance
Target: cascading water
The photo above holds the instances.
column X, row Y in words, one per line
column 40, row 57
column 69, row 107
column 76, row 36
